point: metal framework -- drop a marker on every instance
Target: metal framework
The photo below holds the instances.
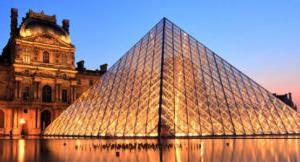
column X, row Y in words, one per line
column 169, row 84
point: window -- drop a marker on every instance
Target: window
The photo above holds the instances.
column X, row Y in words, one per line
column 2, row 119
column 26, row 94
column 26, row 58
column 78, row 81
column 46, row 57
column 64, row 95
column 91, row 82
column 47, row 94
column 64, row 59
column 45, row 119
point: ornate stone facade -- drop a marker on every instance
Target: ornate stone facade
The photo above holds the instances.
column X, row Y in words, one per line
column 38, row 76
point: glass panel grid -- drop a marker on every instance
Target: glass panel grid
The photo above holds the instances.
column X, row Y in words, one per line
column 198, row 93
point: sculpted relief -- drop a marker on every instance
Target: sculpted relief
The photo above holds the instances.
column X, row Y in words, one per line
column 47, row 39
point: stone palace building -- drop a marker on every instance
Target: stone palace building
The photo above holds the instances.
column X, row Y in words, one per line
column 38, row 76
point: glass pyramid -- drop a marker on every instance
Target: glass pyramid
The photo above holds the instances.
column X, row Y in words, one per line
column 169, row 84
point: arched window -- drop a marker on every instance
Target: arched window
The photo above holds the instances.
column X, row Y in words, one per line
column 47, row 93
column 1, row 119
column 45, row 119
column 46, row 57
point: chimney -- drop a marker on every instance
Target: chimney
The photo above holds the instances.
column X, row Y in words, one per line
column 80, row 65
column 13, row 21
column 103, row 68
column 290, row 96
column 66, row 24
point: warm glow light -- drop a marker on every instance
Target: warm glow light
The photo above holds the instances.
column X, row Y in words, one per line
column 78, row 142
column 65, row 39
column 25, row 33
column 32, row 32
column 202, row 151
column 22, row 121
column 21, row 148
column 177, row 151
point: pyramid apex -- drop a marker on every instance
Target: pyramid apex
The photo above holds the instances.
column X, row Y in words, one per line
column 165, row 19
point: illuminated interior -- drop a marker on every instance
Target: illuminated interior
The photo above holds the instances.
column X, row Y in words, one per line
column 169, row 84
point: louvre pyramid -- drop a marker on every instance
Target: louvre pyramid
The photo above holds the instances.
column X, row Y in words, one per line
column 169, row 84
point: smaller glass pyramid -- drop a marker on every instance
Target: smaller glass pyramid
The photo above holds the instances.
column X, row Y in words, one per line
column 169, row 84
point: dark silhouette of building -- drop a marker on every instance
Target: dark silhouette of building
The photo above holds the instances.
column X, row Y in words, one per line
column 287, row 99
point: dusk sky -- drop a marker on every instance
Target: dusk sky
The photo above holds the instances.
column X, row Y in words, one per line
column 262, row 39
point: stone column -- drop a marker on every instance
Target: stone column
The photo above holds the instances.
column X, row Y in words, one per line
column 38, row 91
column 58, row 84
column 74, row 93
column 34, row 90
column 38, row 118
column 16, row 130
column 71, row 94
column 73, row 90
column 55, row 92
column 16, row 119
column 36, row 86
column 12, row 118
column 59, row 92
column 17, row 89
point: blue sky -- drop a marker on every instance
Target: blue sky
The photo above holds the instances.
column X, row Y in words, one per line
column 261, row 38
